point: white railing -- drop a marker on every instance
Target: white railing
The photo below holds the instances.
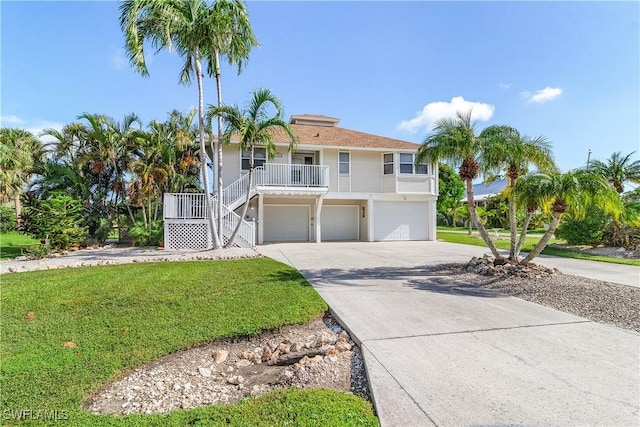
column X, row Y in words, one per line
column 289, row 175
column 235, row 191
column 246, row 236
column 185, row 206
column 275, row 175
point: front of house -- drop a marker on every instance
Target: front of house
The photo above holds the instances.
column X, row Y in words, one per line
column 338, row 184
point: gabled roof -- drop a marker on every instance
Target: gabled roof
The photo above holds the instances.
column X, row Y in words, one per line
column 319, row 130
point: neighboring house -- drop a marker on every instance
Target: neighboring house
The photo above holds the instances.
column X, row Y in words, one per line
column 338, row 184
column 482, row 191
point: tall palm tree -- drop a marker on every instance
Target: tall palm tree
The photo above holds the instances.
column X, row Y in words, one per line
column 186, row 27
column 559, row 193
column 20, row 152
column 618, row 169
column 234, row 41
column 455, row 142
column 254, row 128
column 504, row 148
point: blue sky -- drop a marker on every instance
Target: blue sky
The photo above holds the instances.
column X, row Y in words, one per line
column 565, row 70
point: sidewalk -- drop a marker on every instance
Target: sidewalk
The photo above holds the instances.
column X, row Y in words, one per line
column 439, row 354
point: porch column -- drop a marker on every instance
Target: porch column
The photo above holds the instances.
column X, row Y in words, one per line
column 432, row 218
column 260, row 218
column 370, row 224
column 318, row 217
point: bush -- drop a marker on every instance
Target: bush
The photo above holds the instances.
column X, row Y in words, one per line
column 143, row 236
column 619, row 234
column 7, row 219
column 58, row 219
column 585, row 231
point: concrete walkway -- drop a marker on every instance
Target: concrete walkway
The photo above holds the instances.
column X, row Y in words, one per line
column 441, row 354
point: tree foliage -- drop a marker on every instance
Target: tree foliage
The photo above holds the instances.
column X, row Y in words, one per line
column 450, row 189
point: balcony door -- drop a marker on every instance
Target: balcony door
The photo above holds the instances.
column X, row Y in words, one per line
column 299, row 174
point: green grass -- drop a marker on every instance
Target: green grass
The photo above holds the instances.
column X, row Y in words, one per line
column 566, row 253
column 476, row 240
column 501, row 230
column 123, row 316
column 465, row 239
column 12, row 244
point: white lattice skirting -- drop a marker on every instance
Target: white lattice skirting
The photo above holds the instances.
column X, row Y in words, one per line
column 186, row 234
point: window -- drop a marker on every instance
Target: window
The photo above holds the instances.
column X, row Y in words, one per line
column 387, row 163
column 344, row 158
column 259, row 158
column 408, row 165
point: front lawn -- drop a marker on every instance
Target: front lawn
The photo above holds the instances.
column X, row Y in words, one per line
column 123, row 316
column 13, row 243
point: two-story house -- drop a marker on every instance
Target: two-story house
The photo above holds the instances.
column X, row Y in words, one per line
column 338, row 184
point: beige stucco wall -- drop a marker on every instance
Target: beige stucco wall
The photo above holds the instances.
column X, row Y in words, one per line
column 366, row 172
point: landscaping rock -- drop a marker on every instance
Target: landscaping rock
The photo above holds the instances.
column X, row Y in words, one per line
column 252, row 367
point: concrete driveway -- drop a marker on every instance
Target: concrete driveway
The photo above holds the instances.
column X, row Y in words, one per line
column 440, row 353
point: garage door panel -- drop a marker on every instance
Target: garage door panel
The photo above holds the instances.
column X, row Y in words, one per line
column 340, row 222
column 286, row 223
column 400, row 221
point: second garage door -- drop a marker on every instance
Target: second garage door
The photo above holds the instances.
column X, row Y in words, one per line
column 400, row 221
column 286, row 223
column 340, row 222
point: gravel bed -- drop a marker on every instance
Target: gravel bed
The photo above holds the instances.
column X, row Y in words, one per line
column 111, row 254
column 599, row 301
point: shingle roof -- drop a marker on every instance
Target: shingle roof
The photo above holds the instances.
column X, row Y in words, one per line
column 333, row 136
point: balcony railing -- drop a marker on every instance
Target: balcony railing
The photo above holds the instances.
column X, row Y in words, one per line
column 289, row 175
column 185, row 206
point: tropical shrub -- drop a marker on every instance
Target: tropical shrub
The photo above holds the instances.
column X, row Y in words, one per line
column 150, row 235
column 58, row 220
column 7, row 219
column 583, row 231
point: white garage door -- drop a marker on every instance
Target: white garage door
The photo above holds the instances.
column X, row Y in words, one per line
column 286, row 223
column 340, row 222
column 400, row 221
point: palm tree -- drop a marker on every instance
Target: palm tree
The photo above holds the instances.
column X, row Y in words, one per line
column 504, row 148
column 454, row 141
column 618, row 169
column 234, row 40
column 253, row 127
column 184, row 26
column 20, row 152
column 559, row 193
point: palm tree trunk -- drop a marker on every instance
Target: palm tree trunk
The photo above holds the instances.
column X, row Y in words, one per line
column 218, row 143
column 544, row 240
column 203, row 155
column 512, row 221
column 476, row 221
column 144, row 216
column 18, row 207
column 523, row 234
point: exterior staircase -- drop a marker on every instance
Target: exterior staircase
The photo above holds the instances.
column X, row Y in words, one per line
column 186, row 219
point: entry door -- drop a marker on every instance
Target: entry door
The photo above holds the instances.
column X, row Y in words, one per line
column 299, row 175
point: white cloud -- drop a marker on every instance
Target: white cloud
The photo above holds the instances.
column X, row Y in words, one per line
column 435, row 111
column 505, row 85
column 10, row 120
column 542, row 95
column 34, row 126
column 117, row 59
column 37, row 126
